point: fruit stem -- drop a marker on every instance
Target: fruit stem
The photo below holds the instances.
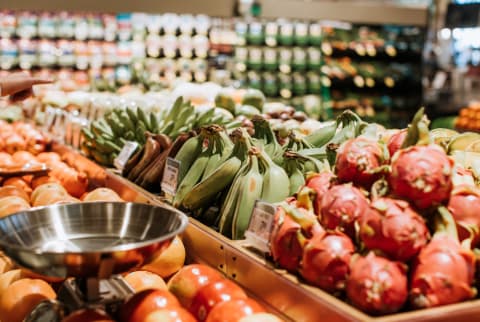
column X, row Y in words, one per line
column 444, row 223
column 418, row 133
column 305, row 198
column 304, row 222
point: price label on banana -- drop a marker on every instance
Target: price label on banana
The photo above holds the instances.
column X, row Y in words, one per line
column 128, row 149
column 260, row 226
column 170, row 177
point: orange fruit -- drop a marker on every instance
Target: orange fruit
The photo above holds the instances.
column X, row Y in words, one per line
column 170, row 261
column 11, row 205
column 7, row 191
column 47, row 188
column 18, row 182
column 143, row 280
column 102, row 194
column 22, row 296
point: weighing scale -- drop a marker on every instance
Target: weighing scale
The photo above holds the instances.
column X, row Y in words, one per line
column 88, row 245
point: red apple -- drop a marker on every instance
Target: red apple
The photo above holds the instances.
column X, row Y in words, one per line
column 234, row 310
column 187, row 282
column 212, row 294
column 137, row 307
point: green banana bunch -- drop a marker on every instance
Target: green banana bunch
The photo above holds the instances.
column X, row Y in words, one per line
column 208, row 159
column 249, row 190
column 296, row 142
column 307, row 163
column 350, row 127
column 204, row 118
column 222, row 149
column 193, row 176
column 188, row 153
column 229, row 204
column 99, row 142
column 172, row 113
column 265, row 138
column 204, row 193
column 276, row 183
column 184, row 121
column 295, row 171
column 243, row 144
column 323, row 135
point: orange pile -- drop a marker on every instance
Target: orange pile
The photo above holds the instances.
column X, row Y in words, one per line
column 469, row 118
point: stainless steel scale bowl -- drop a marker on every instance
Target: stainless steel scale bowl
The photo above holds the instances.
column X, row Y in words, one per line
column 88, row 243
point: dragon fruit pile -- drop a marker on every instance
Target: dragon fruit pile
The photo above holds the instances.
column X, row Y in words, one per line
column 387, row 230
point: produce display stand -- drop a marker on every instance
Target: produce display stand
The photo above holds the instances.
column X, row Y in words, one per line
column 281, row 292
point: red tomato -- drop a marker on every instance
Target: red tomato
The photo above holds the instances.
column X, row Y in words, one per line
column 188, row 280
column 143, row 303
column 88, row 315
column 176, row 314
column 212, row 294
column 234, row 310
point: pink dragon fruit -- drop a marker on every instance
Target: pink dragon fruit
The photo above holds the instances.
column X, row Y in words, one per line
column 326, row 259
column 358, row 161
column 320, row 182
column 444, row 270
column 377, row 285
column 442, row 274
column 464, row 204
column 422, row 175
column 341, row 206
column 393, row 227
column 292, row 229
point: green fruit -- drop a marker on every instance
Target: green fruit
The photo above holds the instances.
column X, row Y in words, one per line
column 255, row 98
column 225, row 101
column 246, row 110
column 462, row 141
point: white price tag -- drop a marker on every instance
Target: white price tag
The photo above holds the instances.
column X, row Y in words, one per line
column 261, row 226
column 170, row 176
column 127, row 151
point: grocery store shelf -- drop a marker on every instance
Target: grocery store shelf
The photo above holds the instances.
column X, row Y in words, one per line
column 223, row 8
column 346, row 10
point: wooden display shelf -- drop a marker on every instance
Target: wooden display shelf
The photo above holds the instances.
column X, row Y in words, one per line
column 282, row 292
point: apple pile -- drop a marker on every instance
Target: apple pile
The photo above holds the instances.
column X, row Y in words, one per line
column 391, row 228
column 195, row 293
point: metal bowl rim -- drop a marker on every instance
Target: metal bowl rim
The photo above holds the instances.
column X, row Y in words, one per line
column 125, row 247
